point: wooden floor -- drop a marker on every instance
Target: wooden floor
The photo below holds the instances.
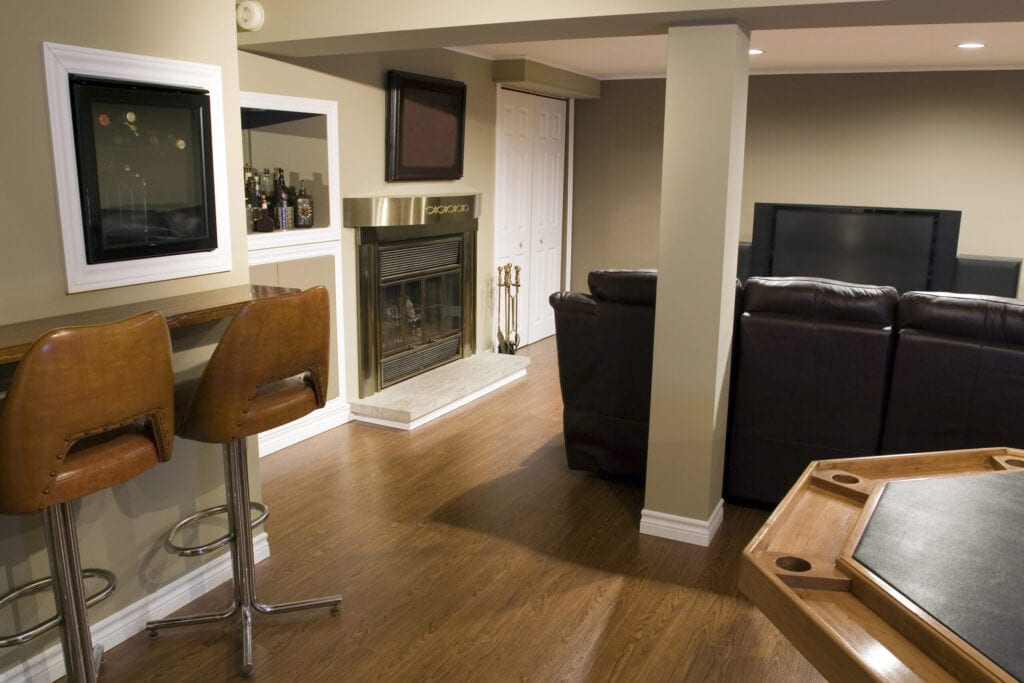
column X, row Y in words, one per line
column 466, row 551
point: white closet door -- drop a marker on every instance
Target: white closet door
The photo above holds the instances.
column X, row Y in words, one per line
column 514, row 181
column 546, row 213
column 530, row 188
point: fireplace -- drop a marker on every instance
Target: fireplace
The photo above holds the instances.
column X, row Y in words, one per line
column 417, row 284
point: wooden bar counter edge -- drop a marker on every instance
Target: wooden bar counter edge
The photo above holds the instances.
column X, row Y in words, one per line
column 852, row 626
column 186, row 309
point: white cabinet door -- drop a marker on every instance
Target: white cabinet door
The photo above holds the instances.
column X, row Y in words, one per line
column 530, row 189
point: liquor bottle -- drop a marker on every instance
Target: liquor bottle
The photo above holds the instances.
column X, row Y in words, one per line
column 284, row 212
column 266, row 182
column 264, row 222
column 303, row 208
column 252, row 191
column 249, row 206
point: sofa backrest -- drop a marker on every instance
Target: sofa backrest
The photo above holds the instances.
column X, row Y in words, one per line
column 958, row 376
column 821, row 299
column 605, row 343
column 624, row 286
column 812, row 373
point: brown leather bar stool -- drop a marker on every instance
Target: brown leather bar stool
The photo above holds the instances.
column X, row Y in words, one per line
column 88, row 408
column 270, row 368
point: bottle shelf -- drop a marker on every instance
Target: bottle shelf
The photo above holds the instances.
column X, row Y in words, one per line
column 291, row 238
column 299, row 135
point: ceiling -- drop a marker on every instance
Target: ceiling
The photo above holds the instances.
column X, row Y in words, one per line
column 814, row 50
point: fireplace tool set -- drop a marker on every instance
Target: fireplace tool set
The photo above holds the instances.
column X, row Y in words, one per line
column 508, row 289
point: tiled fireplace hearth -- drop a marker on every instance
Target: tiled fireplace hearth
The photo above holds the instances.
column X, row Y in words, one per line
column 416, row 284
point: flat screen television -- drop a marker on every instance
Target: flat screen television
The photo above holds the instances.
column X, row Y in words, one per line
column 909, row 249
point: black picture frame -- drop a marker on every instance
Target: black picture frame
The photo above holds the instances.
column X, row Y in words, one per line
column 118, row 145
column 426, row 127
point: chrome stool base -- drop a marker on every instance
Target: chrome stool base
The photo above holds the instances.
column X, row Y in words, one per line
column 197, row 550
column 243, row 567
column 82, row 659
column 109, row 583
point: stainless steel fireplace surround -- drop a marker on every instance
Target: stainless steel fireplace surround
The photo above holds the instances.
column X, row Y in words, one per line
column 416, row 286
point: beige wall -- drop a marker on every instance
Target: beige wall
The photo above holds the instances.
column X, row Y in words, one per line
column 617, row 178
column 357, row 84
column 31, row 264
column 948, row 140
column 122, row 528
column 913, row 140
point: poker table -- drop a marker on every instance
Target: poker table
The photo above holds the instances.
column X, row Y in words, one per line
column 899, row 567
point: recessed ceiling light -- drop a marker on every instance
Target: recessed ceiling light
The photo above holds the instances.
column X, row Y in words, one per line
column 755, row 51
column 971, row 46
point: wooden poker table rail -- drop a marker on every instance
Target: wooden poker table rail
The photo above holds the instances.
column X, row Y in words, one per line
column 850, row 623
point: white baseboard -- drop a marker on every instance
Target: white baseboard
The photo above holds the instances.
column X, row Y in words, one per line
column 335, row 413
column 685, row 529
column 443, row 410
column 48, row 665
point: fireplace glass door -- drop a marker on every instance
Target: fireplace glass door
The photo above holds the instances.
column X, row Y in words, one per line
column 420, row 324
column 419, row 311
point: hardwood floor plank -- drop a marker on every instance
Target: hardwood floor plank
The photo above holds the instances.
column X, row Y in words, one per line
column 467, row 551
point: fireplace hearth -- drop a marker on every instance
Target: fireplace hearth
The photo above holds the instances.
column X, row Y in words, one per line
column 416, row 284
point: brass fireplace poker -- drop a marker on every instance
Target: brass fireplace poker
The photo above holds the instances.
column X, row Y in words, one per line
column 508, row 337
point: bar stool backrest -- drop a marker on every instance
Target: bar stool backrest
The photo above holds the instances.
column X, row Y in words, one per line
column 88, row 407
column 270, row 367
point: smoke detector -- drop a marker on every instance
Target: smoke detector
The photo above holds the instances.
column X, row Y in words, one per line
column 249, row 15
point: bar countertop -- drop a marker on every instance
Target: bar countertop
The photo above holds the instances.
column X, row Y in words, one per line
column 187, row 309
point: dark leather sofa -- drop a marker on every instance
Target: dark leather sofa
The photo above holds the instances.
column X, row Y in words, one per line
column 811, row 373
column 958, row 375
column 820, row 369
column 605, row 345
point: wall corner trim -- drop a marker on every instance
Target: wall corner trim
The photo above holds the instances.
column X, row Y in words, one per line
column 688, row 530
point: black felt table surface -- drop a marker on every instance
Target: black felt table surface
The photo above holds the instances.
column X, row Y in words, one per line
column 953, row 546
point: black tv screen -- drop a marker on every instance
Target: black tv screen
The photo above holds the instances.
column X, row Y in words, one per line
column 909, row 249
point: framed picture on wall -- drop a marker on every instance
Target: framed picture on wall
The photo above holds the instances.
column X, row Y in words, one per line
column 145, row 169
column 426, row 125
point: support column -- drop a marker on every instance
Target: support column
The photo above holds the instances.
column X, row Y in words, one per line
column 702, row 170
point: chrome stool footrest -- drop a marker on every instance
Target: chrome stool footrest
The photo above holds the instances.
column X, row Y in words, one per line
column 195, row 551
column 110, row 583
